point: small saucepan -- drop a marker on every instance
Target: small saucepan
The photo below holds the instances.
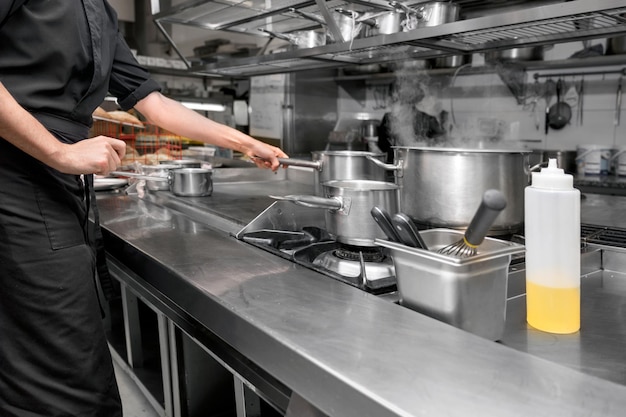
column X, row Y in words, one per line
column 348, row 205
column 184, row 182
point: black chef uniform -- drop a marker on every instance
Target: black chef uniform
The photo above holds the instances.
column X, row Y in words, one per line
column 58, row 58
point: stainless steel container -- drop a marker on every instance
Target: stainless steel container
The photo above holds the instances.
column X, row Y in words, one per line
column 468, row 293
column 442, row 187
column 348, row 204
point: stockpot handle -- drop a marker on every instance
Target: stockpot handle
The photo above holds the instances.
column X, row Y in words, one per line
column 138, row 176
column 312, row 201
column 408, row 10
column 387, row 167
column 309, row 16
column 278, row 35
column 301, row 163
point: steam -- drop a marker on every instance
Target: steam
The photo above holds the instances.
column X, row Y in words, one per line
column 413, row 92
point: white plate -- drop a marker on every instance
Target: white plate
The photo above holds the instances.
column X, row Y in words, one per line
column 104, row 184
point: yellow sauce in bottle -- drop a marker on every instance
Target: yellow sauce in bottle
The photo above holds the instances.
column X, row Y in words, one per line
column 553, row 309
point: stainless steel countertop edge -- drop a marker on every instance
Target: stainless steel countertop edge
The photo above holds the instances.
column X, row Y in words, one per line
column 345, row 351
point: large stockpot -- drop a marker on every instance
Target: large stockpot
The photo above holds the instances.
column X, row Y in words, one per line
column 341, row 165
column 348, row 204
column 442, row 187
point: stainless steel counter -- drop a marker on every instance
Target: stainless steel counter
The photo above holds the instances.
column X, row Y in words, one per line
column 350, row 353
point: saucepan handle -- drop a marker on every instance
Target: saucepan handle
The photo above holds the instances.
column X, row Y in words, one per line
column 301, row 163
column 387, row 167
column 138, row 176
column 312, row 201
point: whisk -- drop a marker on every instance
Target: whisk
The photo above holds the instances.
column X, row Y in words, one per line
column 492, row 204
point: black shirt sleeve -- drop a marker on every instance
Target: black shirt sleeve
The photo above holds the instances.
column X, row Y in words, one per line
column 7, row 7
column 130, row 82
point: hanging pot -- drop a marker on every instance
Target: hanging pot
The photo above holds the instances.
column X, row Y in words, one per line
column 301, row 39
column 341, row 165
column 345, row 20
column 348, row 204
column 430, row 14
column 522, row 54
column 451, row 61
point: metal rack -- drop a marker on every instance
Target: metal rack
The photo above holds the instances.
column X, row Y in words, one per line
column 534, row 25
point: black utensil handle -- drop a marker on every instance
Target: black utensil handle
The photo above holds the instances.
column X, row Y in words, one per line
column 492, row 204
column 408, row 231
column 384, row 222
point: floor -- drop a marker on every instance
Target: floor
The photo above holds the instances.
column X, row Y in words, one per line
column 134, row 403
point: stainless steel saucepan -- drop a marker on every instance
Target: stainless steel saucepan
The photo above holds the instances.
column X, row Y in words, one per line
column 348, row 204
column 341, row 165
column 184, row 182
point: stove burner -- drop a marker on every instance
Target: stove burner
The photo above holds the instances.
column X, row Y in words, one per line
column 354, row 253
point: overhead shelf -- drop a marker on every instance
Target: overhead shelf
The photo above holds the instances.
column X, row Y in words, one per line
column 528, row 26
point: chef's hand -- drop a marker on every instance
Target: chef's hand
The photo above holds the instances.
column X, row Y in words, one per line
column 265, row 156
column 99, row 155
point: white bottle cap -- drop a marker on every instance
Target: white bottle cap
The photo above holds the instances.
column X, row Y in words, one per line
column 552, row 178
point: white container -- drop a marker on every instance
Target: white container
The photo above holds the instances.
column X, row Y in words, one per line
column 468, row 293
column 593, row 159
column 552, row 232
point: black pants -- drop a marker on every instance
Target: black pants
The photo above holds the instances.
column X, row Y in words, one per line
column 54, row 359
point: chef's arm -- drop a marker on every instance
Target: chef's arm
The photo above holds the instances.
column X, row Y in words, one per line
column 98, row 155
column 173, row 116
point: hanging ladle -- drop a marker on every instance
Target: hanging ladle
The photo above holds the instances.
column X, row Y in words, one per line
column 560, row 112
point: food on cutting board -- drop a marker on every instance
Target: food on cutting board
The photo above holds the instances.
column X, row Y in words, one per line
column 132, row 156
column 100, row 112
column 124, row 117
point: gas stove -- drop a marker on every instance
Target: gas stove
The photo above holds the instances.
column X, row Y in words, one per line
column 298, row 234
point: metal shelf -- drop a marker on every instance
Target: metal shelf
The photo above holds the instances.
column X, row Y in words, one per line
column 539, row 25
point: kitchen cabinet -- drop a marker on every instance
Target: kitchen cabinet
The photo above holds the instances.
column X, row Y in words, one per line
column 529, row 23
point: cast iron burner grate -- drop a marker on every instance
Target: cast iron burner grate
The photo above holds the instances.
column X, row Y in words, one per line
column 354, row 253
column 602, row 235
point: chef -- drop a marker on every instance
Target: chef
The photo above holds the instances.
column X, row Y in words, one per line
column 58, row 60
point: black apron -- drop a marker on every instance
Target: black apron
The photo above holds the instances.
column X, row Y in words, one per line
column 54, row 357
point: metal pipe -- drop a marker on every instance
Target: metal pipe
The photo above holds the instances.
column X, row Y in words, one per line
column 579, row 73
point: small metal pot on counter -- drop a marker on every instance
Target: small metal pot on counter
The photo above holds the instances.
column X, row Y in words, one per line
column 348, row 204
column 565, row 160
column 341, row 165
column 184, row 182
column 162, row 171
column 442, row 187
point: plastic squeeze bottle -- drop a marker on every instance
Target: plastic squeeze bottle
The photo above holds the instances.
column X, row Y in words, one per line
column 552, row 232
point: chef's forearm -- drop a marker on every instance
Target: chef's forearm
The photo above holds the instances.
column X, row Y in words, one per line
column 171, row 115
column 20, row 128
